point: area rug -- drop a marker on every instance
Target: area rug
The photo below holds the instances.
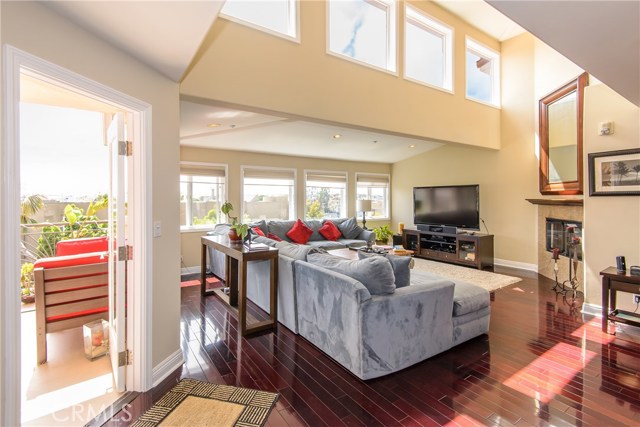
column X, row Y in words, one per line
column 196, row 403
column 485, row 279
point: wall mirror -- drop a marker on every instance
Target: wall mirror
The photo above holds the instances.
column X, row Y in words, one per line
column 561, row 139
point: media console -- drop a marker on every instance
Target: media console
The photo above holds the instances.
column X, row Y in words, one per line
column 473, row 250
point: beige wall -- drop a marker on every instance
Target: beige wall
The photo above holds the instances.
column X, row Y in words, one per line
column 35, row 29
column 612, row 224
column 506, row 177
column 247, row 67
column 190, row 245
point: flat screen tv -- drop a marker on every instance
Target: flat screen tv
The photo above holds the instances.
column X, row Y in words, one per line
column 452, row 205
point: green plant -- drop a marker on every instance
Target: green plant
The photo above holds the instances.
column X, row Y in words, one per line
column 382, row 233
column 78, row 224
column 26, row 279
column 241, row 229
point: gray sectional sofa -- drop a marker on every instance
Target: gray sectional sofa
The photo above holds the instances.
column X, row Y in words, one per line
column 349, row 310
column 258, row 271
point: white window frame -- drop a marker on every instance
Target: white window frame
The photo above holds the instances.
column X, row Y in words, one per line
column 292, row 209
column 345, row 207
column 204, row 165
column 438, row 28
column 392, row 46
column 482, row 50
column 387, row 202
column 294, row 23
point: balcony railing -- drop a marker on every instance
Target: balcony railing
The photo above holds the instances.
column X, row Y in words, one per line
column 38, row 240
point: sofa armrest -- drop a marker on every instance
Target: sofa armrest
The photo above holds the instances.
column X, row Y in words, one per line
column 367, row 236
column 328, row 306
column 406, row 327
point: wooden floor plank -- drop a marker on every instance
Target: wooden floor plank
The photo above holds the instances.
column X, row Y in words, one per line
column 542, row 363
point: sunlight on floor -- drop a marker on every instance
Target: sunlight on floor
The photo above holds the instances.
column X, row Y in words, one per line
column 67, row 390
column 548, row 374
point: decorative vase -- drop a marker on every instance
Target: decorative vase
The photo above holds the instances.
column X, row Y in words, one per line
column 233, row 236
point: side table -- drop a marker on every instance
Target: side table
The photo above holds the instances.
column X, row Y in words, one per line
column 612, row 282
column 237, row 256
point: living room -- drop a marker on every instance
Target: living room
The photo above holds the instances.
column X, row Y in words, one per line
column 495, row 148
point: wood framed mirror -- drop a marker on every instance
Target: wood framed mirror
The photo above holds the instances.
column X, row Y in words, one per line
column 561, row 138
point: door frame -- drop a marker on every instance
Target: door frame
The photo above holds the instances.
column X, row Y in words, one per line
column 139, row 294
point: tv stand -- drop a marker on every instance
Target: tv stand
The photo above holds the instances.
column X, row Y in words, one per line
column 472, row 250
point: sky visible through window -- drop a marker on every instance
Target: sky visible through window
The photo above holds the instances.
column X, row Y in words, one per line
column 359, row 31
column 62, row 154
column 478, row 81
column 425, row 55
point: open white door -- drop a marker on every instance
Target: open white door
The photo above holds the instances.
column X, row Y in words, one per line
column 120, row 251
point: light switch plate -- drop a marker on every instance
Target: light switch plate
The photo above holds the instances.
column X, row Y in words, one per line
column 157, row 229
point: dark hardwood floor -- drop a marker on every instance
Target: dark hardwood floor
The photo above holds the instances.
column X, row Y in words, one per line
column 542, row 363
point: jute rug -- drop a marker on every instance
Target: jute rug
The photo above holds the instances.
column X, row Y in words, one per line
column 199, row 404
column 485, row 279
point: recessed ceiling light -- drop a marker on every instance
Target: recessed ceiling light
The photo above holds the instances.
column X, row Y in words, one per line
column 214, row 125
column 412, row 146
column 337, row 136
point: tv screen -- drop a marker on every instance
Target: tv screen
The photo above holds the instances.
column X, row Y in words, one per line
column 455, row 205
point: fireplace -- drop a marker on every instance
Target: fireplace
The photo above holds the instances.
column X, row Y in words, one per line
column 560, row 233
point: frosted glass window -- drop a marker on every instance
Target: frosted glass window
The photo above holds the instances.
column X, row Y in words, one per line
column 278, row 16
column 364, row 31
column 428, row 50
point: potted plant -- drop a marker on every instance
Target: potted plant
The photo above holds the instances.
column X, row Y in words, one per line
column 27, row 294
column 237, row 231
column 382, row 234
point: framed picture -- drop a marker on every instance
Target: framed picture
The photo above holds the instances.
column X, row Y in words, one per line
column 615, row 173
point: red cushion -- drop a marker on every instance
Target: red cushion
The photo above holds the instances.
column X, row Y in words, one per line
column 71, row 260
column 77, row 314
column 82, row 246
column 274, row 237
column 258, row 231
column 329, row 231
column 300, row 233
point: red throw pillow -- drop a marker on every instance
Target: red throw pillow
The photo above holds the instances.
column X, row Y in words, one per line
column 300, row 233
column 274, row 237
column 258, row 231
column 329, row 231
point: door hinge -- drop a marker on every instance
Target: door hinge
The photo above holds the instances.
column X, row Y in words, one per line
column 125, row 253
column 125, row 148
column 125, row 358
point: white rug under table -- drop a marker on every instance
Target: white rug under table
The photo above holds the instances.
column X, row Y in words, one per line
column 485, row 279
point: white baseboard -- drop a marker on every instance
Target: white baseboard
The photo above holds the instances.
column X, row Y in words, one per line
column 190, row 270
column 516, row 264
column 167, row 366
column 592, row 309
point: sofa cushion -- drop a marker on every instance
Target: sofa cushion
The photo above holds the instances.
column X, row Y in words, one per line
column 326, row 244
column 350, row 228
column 401, row 266
column 375, row 273
column 280, row 228
column 72, row 260
column 261, row 224
column 314, row 225
column 265, row 240
column 258, row 231
column 329, row 231
column 300, row 233
column 295, row 251
column 468, row 298
column 274, row 237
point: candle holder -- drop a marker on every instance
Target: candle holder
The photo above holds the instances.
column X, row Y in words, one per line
column 96, row 339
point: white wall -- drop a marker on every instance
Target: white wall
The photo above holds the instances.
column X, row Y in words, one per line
column 34, row 28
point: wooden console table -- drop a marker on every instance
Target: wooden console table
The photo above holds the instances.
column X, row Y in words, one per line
column 612, row 281
column 236, row 257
